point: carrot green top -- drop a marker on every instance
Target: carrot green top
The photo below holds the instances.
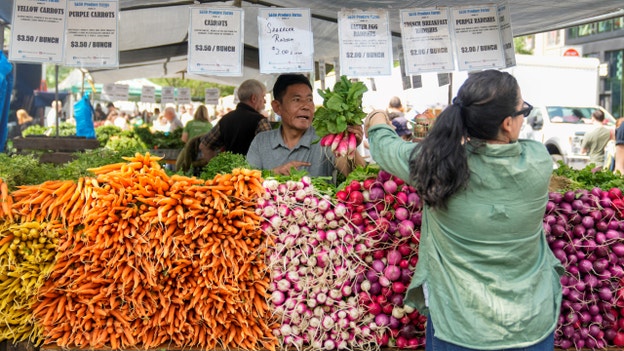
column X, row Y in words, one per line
column 485, row 272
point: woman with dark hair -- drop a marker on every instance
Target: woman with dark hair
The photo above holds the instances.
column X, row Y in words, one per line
column 486, row 277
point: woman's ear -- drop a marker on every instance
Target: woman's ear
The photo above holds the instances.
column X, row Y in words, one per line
column 507, row 125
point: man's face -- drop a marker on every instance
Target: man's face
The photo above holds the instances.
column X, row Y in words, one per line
column 296, row 107
column 260, row 102
column 169, row 114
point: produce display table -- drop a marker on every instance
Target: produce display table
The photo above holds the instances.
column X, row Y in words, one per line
column 57, row 150
column 224, row 264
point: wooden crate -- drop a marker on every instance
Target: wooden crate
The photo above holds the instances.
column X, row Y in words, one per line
column 50, row 149
column 169, row 156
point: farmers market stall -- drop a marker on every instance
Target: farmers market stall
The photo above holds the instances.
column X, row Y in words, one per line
column 132, row 257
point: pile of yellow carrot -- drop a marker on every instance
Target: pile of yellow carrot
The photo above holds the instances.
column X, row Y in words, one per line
column 27, row 254
column 149, row 259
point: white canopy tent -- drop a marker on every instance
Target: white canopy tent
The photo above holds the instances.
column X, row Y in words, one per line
column 153, row 33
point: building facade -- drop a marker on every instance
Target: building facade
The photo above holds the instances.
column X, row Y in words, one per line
column 603, row 40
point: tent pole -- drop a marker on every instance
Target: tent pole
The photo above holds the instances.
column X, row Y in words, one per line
column 56, row 77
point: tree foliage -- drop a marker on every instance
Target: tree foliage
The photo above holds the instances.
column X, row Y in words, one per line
column 521, row 47
column 197, row 87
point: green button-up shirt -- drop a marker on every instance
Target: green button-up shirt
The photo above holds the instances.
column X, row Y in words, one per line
column 492, row 281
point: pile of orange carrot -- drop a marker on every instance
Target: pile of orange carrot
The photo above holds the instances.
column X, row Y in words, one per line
column 150, row 260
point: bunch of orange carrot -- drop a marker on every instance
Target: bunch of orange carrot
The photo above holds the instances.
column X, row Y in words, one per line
column 150, row 260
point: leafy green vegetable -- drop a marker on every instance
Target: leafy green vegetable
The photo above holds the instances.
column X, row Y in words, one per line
column 105, row 133
column 18, row 170
column 223, row 163
column 34, row 130
column 361, row 173
column 589, row 177
column 159, row 140
column 341, row 107
column 65, row 129
column 323, row 185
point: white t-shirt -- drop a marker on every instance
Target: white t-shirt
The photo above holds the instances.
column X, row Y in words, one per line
column 51, row 118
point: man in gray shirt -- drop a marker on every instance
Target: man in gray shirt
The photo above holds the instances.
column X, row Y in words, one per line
column 291, row 146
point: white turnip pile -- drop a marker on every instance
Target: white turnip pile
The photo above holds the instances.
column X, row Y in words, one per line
column 314, row 266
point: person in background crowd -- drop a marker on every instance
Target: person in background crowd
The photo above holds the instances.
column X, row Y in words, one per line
column 24, row 120
column 595, row 141
column 51, row 117
column 188, row 115
column 98, row 113
column 292, row 144
column 395, row 108
column 110, row 107
column 155, row 115
column 161, row 124
column 181, row 111
column 396, row 113
column 619, row 147
column 402, row 128
column 199, row 125
column 172, row 119
column 486, row 277
column 236, row 129
column 110, row 118
column 121, row 120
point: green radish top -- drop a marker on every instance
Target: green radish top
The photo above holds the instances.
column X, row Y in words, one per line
column 341, row 107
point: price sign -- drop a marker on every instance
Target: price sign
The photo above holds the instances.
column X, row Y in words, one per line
column 504, row 20
column 478, row 38
column 184, row 96
column 426, row 40
column 285, row 40
column 211, row 96
column 108, row 92
column 216, row 41
column 92, row 28
column 167, row 95
column 365, row 43
column 37, row 31
column 148, row 94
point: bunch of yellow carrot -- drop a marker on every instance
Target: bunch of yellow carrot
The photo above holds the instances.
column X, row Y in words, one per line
column 27, row 253
column 149, row 260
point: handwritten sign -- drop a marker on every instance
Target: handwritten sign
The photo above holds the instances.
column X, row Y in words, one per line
column 365, row 43
column 121, row 92
column 426, row 36
column 216, row 41
column 108, row 92
column 91, row 37
column 184, row 96
column 477, row 36
column 285, row 40
column 37, row 31
column 148, row 94
column 211, row 96
column 504, row 20
column 167, row 95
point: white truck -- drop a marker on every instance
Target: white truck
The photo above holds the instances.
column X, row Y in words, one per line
column 564, row 93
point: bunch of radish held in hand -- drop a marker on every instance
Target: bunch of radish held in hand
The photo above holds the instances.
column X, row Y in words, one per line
column 389, row 213
column 585, row 234
column 314, row 266
column 341, row 107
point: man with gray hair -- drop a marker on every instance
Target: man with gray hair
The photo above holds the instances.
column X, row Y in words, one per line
column 237, row 128
column 172, row 119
